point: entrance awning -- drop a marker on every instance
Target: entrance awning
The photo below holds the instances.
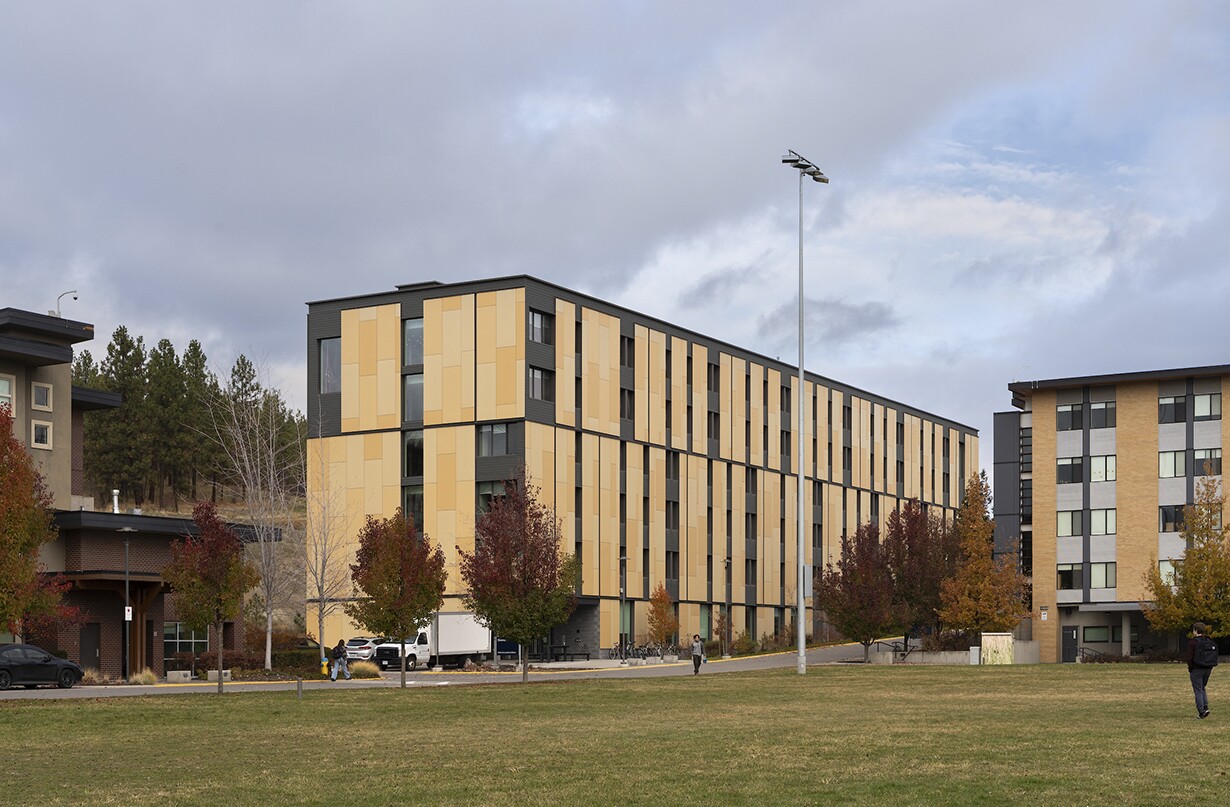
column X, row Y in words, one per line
column 1110, row 606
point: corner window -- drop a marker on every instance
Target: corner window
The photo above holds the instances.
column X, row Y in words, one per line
column 1210, row 457
column 542, row 328
column 412, row 342
column 1069, row 576
column 40, row 397
column 1172, row 409
column 1068, row 523
column 1102, row 469
column 1102, row 415
column 1171, row 464
column 1207, row 406
column 40, row 434
column 1102, row 575
column 1069, row 417
column 1069, row 470
column 1170, row 518
column 493, row 440
column 413, row 398
column 541, row 384
column 330, row 365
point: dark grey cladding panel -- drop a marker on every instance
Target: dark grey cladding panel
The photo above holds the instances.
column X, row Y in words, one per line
column 496, row 469
column 672, row 540
column 1007, row 488
column 540, row 298
column 1007, row 436
column 324, row 412
column 537, row 355
column 412, row 308
column 627, row 378
column 1007, row 533
column 540, row 411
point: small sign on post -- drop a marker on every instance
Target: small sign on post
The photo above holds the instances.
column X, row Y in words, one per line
column 127, row 613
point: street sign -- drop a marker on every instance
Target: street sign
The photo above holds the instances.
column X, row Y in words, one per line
column 127, row 613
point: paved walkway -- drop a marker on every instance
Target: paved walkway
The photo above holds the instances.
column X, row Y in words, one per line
column 553, row 671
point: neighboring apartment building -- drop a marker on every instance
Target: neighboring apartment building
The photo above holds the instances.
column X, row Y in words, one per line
column 668, row 456
column 1092, row 475
column 99, row 552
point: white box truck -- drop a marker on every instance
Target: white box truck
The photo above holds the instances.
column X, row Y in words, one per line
column 448, row 640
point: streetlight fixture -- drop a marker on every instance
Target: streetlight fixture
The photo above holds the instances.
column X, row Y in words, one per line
column 806, row 169
column 127, row 609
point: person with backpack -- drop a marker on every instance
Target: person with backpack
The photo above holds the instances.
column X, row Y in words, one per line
column 1201, row 659
column 339, row 661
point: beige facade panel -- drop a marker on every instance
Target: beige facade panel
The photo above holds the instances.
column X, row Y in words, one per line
column 565, row 485
column 449, row 494
column 540, row 462
column 591, row 499
column 1136, row 490
column 607, row 584
column 500, row 354
column 773, row 419
column 1046, row 632
column 657, row 388
column 449, row 360
column 600, row 386
column 371, row 363
column 837, row 466
column 694, row 538
column 565, row 363
column 657, row 517
column 700, row 399
column 756, row 414
column 726, row 408
column 738, row 511
column 634, row 477
column 644, row 388
column 771, row 546
column 823, row 430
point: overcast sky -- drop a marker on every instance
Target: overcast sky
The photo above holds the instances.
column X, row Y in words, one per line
column 1019, row 191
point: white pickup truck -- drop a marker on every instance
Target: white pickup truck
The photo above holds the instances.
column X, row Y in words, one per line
column 449, row 639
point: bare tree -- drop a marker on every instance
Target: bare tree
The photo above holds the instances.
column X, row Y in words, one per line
column 262, row 446
column 326, row 550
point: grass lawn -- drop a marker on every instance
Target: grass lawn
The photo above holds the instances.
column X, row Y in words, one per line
column 1072, row 734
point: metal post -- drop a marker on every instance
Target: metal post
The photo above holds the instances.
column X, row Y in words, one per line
column 127, row 631
column 623, row 585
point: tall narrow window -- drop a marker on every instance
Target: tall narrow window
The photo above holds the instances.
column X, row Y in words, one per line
column 414, row 398
column 541, row 384
column 414, row 453
column 542, row 328
column 412, row 342
column 40, row 397
column 330, row 365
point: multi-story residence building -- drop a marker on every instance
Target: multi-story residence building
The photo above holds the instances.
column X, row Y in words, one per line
column 668, row 456
column 1091, row 477
column 112, row 560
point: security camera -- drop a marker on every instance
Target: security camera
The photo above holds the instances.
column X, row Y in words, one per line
column 74, row 297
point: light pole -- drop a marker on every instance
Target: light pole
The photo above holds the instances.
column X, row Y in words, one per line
column 623, row 572
column 127, row 610
column 806, row 169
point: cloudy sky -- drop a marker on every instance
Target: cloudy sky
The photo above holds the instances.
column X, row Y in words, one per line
column 1019, row 191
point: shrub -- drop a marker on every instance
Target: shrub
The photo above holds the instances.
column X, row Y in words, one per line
column 91, row 677
column 296, row 662
column 145, row 677
column 948, row 640
column 231, row 659
column 743, row 645
column 364, row 669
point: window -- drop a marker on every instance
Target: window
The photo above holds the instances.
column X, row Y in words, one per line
column 414, row 453
column 1097, row 634
column 412, row 342
column 1068, row 417
column 672, row 565
column 1211, row 456
column 179, row 638
column 542, row 384
column 542, row 328
column 1170, row 518
column 413, row 405
column 1102, row 522
column 627, row 352
column 40, row 397
column 330, row 365
column 40, row 434
column 672, row 465
column 493, row 440
column 715, row 425
column 1069, row 523
column 627, row 404
column 486, row 492
column 1172, row 409
column 1070, row 576
column 1102, row 575
column 1171, row 464
column 1069, row 470
column 715, row 377
column 672, row 517
column 1102, row 415
column 1207, row 406
column 414, row 506
column 1167, row 568
column 1102, row 469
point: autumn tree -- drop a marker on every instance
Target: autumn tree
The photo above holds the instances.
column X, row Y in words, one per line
column 209, row 575
column 922, row 554
column 1199, row 589
column 28, row 595
column 661, row 619
column 520, row 582
column 398, row 580
column 986, row 593
column 857, row 595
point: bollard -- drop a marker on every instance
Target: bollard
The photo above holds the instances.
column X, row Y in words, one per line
column 299, row 686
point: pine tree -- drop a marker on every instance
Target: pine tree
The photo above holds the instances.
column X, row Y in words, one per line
column 122, row 455
column 166, row 395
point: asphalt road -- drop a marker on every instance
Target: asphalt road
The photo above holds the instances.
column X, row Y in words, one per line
column 552, row 672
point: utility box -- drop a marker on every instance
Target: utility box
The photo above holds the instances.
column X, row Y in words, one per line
column 997, row 648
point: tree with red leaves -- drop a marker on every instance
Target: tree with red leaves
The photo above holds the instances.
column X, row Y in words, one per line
column 662, row 622
column 858, row 595
column 209, row 575
column 399, row 579
column 521, row 583
column 29, row 597
column 922, row 553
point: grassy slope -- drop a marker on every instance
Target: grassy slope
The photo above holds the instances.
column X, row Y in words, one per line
column 1088, row 734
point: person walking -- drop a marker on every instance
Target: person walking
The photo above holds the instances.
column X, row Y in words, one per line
column 1201, row 659
column 339, row 661
column 698, row 653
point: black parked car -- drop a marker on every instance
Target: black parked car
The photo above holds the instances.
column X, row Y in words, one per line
column 30, row 666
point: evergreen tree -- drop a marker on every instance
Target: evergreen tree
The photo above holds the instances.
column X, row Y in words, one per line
column 166, row 396
column 200, row 387
column 122, row 458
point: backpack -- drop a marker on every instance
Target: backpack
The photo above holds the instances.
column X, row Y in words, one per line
column 1206, row 652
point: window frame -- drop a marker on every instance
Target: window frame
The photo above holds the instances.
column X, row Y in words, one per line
column 1076, row 576
column 1107, row 416
column 1172, row 409
column 541, row 327
column 1109, row 519
column 1171, row 464
column 334, row 343
column 35, row 386
column 407, row 328
column 540, row 384
column 1107, row 571
column 1090, row 632
column 408, row 387
column 1069, row 417
column 42, row 445
column 1075, row 523
column 1075, row 470
column 1176, row 522
column 1214, row 457
column 492, row 439
column 11, row 397
column 1109, row 468
column 1213, row 401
